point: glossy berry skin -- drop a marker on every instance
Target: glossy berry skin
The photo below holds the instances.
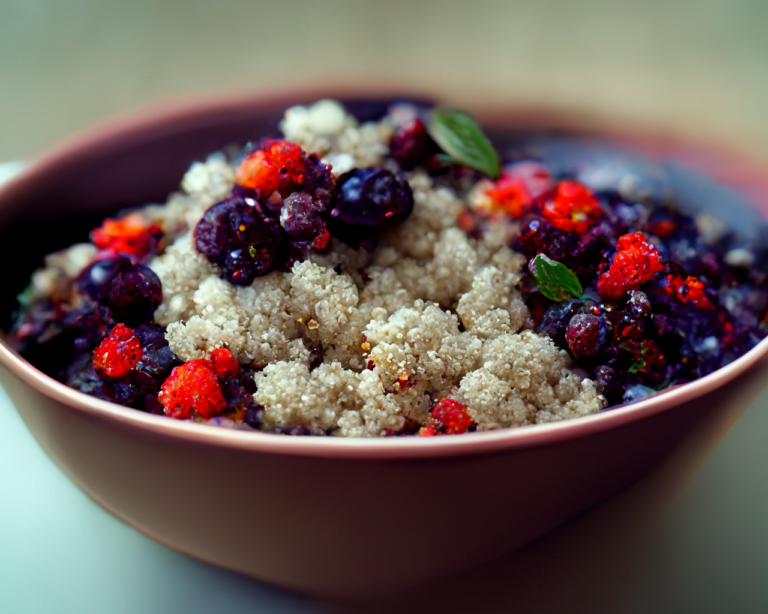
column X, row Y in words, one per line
column 192, row 390
column 449, row 417
column 636, row 262
column 686, row 290
column 133, row 295
column 239, row 239
column 224, row 363
column 117, row 354
column 411, row 145
column 99, row 274
column 586, row 335
column 372, row 197
column 555, row 320
column 300, row 216
column 133, row 235
column 572, row 207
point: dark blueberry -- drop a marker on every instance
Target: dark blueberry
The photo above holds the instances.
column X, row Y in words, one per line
column 157, row 359
column 133, row 295
column 372, row 197
column 608, row 384
column 95, row 276
column 253, row 416
column 236, row 237
column 587, row 334
column 411, row 145
column 300, row 216
column 319, row 176
column 554, row 321
column 296, row 431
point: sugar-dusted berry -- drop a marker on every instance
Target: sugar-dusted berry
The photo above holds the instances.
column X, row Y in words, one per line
column 224, row 364
column 117, row 354
column 192, row 390
column 636, row 261
column 572, row 207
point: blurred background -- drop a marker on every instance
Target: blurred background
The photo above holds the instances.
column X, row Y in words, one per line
column 698, row 67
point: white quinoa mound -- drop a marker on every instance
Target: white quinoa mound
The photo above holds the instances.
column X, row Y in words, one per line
column 430, row 313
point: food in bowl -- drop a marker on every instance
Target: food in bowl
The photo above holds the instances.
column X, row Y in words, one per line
column 391, row 278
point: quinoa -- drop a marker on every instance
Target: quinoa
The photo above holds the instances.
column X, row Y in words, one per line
column 424, row 320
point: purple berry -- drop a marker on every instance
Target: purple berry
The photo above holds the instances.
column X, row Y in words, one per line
column 372, row 197
column 586, row 334
column 300, row 216
column 133, row 295
column 554, row 321
column 95, row 276
column 235, row 236
column 411, row 145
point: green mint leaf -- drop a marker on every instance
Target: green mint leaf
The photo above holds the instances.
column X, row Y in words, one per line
column 555, row 281
column 462, row 139
column 637, row 366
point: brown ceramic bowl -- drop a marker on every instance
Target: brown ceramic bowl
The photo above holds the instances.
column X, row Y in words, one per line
column 320, row 515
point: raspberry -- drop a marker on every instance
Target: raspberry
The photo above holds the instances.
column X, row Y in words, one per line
column 192, row 389
column 572, row 208
column 635, row 262
column 224, row 363
column 688, row 290
column 449, row 417
column 133, row 235
column 117, row 354
column 510, row 195
column 283, row 167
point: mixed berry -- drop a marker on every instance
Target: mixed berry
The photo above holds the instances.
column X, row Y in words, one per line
column 627, row 286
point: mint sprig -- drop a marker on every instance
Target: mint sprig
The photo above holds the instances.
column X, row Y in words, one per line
column 461, row 138
column 555, row 280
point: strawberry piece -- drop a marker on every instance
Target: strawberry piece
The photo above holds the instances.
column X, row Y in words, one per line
column 192, row 389
column 635, row 262
column 572, row 208
column 117, row 354
column 449, row 417
column 133, row 235
column 224, row 364
column 277, row 166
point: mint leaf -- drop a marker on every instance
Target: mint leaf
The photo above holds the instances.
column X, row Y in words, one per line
column 462, row 139
column 555, row 280
column 637, row 366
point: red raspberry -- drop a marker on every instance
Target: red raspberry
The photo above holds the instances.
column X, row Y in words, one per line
column 572, row 208
column 449, row 417
column 688, row 290
column 277, row 166
column 192, row 389
column 117, row 354
column 133, row 235
column 519, row 185
column 635, row 262
column 224, row 364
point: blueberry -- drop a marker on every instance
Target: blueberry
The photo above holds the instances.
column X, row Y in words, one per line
column 239, row 239
column 95, row 276
column 300, row 216
column 587, row 334
column 372, row 197
column 411, row 145
column 554, row 321
column 133, row 295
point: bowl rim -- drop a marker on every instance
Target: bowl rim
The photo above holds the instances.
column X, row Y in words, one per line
column 140, row 124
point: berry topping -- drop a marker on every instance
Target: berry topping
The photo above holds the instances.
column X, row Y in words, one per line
column 635, row 262
column 133, row 294
column 411, row 145
column 133, row 235
column 573, row 207
column 587, row 333
column 687, row 290
column 117, row 354
column 300, row 217
column 236, row 237
column 372, row 197
column 192, row 390
column 93, row 278
column 449, row 417
column 514, row 192
column 224, row 363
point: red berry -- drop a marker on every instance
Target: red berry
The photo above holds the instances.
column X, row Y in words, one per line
column 688, row 290
column 192, row 389
column 277, row 166
column 133, row 235
column 449, row 417
column 510, row 194
column 635, row 262
column 224, row 364
column 117, row 354
column 572, row 208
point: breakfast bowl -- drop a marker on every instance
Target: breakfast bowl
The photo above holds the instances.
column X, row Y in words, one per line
column 331, row 516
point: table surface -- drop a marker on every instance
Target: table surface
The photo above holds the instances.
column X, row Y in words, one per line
column 696, row 65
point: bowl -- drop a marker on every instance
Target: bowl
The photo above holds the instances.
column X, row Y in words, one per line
column 325, row 516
